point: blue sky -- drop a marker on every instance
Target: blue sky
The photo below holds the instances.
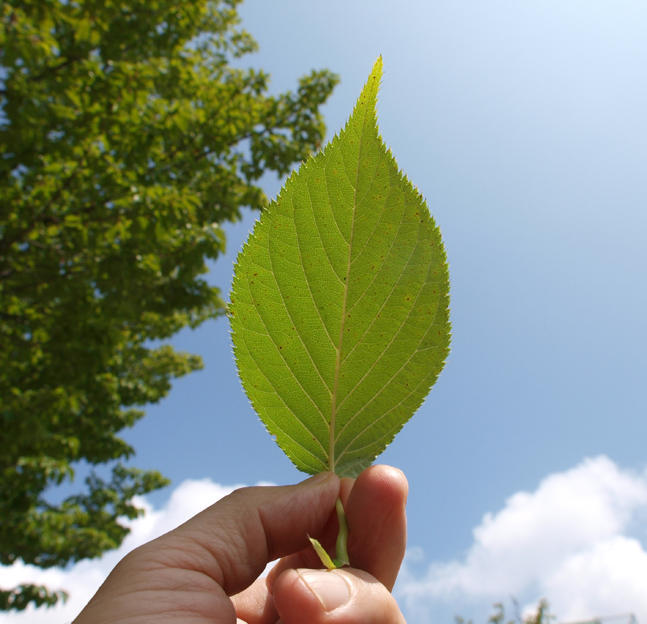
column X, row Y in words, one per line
column 523, row 124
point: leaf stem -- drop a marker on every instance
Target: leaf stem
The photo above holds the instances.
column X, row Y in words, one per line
column 342, row 536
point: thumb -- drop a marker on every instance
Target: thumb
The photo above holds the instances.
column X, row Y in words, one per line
column 345, row 596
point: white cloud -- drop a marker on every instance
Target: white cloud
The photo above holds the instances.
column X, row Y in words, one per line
column 608, row 578
column 566, row 541
column 83, row 579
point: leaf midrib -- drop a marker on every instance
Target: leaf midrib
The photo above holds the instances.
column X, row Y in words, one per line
column 333, row 403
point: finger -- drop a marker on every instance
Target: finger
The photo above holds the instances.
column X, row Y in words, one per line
column 232, row 541
column 375, row 505
column 345, row 486
column 308, row 557
column 255, row 605
column 375, row 510
column 377, row 524
column 345, row 596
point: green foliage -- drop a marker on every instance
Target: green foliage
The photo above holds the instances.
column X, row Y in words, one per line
column 339, row 305
column 126, row 139
column 21, row 597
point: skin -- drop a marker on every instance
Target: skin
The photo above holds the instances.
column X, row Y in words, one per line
column 206, row 571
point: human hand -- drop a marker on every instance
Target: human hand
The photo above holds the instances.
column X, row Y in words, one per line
column 206, row 571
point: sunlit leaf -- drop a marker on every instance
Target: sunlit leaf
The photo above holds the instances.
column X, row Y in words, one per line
column 339, row 306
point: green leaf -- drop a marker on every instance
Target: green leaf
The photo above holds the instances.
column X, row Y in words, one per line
column 339, row 305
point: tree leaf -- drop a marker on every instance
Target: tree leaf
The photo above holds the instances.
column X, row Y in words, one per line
column 339, row 304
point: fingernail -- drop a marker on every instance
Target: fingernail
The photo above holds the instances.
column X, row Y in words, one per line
column 329, row 588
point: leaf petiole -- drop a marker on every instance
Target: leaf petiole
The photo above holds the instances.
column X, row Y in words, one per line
column 342, row 543
column 342, row 536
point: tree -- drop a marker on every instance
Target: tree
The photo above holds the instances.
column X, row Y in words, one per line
column 126, row 137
